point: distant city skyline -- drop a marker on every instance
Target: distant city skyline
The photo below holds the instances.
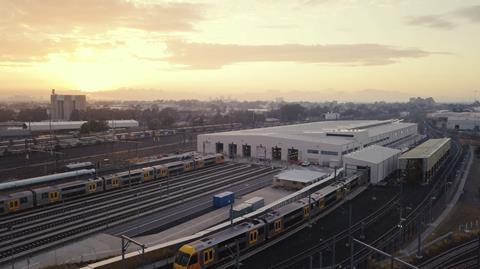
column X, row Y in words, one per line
column 300, row 50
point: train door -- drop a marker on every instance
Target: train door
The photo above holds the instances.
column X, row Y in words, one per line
column 339, row 194
column 147, row 174
column 253, row 237
column 208, row 256
column 92, row 187
column 276, row 153
column 306, row 211
column 13, row 205
column 187, row 166
column 199, row 163
column 53, row 196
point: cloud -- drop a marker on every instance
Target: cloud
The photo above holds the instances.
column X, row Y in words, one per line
column 446, row 20
column 471, row 13
column 432, row 21
column 31, row 30
column 213, row 56
column 54, row 15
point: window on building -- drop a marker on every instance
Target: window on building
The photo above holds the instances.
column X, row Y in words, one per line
column 312, row 151
column 332, row 153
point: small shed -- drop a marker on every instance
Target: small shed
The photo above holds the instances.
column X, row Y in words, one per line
column 378, row 162
column 298, row 179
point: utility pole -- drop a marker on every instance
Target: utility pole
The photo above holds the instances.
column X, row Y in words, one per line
column 125, row 243
column 11, row 245
column 350, row 237
column 333, row 252
column 237, row 256
column 419, row 241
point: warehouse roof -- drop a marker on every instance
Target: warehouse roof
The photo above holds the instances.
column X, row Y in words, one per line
column 320, row 131
column 426, row 149
column 373, row 154
column 303, row 176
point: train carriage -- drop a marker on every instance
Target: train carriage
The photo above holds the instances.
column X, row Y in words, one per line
column 160, row 171
column 110, row 182
column 17, row 201
column 219, row 158
column 37, row 192
column 130, row 177
column 188, row 165
column 94, row 185
column 199, row 163
column 148, row 173
column 72, row 189
column 209, row 251
column 46, row 195
column 209, row 160
column 175, row 168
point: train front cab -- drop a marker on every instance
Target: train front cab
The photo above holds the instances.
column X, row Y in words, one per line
column 148, row 174
column 187, row 166
column 160, row 171
column 199, row 163
column 187, row 258
column 219, row 158
column 111, row 182
column 17, row 201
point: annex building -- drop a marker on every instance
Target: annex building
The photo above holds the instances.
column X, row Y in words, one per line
column 321, row 143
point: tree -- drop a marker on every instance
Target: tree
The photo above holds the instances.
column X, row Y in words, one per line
column 35, row 114
column 93, row 126
column 154, row 124
column 7, row 115
column 292, row 112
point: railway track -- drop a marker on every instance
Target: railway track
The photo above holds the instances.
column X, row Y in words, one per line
column 420, row 210
column 115, row 203
column 343, row 235
column 389, row 235
column 60, row 208
column 28, row 239
column 461, row 256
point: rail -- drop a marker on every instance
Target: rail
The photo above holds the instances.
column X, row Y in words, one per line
column 175, row 243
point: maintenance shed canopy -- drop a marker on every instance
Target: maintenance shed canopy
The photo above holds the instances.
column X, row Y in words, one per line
column 380, row 161
column 427, row 149
column 297, row 179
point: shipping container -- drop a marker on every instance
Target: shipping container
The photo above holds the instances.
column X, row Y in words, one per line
column 223, row 199
column 241, row 209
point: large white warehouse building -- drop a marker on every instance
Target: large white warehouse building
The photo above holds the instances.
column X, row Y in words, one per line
column 456, row 120
column 322, row 142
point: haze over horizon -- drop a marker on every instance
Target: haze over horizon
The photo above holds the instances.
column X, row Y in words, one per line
column 300, row 50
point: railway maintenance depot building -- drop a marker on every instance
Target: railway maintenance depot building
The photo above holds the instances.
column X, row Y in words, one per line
column 321, row 143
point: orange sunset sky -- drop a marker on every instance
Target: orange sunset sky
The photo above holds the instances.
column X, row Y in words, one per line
column 298, row 49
